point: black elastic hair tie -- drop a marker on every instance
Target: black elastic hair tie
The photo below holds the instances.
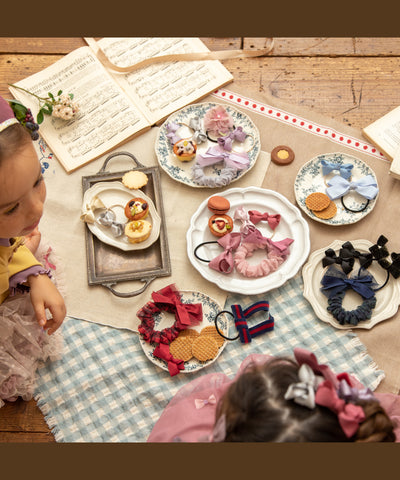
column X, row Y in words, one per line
column 200, row 245
column 354, row 211
column 216, row 325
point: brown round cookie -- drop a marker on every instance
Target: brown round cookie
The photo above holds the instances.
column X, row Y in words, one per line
column 181, row 348
column 220, row 225
column 328, row 212
column 212, row 332
column 218, row 205
column 189, row 333
column 204, row 348
column 317, row 201
column 282, row 155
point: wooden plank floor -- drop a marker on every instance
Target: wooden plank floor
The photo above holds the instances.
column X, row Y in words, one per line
column 354, row 80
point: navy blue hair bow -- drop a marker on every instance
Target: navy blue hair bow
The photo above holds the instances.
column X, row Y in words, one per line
column 335, row 281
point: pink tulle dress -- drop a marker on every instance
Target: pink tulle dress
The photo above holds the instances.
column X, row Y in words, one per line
column 24, row 345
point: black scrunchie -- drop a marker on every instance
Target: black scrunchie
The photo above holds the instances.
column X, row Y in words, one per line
column 350, row 317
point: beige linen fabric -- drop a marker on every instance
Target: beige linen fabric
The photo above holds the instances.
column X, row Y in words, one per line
column 97, row 304
column 66, row 233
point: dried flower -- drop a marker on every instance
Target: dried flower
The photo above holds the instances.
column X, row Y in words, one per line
column 217, row 121
column 59, row 106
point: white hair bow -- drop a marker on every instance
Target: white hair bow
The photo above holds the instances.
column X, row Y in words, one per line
column 303, row 392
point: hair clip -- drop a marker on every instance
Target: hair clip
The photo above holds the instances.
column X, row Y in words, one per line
column 380, row 253
column 217, row 121
column 108, row 219
column 226, row 141
column 365, row 186
column 223, row 262
column 344, row 170
column 272, row 219
column 303, row 392
column 241, row 316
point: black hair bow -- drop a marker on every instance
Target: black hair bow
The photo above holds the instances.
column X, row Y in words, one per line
column 344, row 261
column 348, row 251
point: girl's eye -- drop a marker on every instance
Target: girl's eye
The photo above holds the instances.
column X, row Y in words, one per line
column 12, row 210
column 38, row 181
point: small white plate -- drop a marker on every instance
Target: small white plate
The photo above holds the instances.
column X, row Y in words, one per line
column 114, row 193
column 181, row 171
column 309, row 179
column 163, row 320
column 292, row 225
column 387, row 299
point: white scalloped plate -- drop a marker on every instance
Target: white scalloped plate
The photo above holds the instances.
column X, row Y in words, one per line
column 309, row 179
column 114, row 193
column 292, row 225
column 162, row 320
column 181, row 171
column 388, row 299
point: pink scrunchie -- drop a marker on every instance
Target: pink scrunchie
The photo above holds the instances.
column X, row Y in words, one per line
column 277, row 252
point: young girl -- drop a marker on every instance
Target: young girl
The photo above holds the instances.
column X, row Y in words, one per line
column 279, row 400
column 23, row 326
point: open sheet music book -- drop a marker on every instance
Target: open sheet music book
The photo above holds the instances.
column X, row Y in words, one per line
column 116, row 107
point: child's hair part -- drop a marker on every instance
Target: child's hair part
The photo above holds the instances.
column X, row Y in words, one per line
column 256, row 411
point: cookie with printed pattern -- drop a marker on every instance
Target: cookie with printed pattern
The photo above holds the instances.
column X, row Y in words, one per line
column 181, row 348
column 211, row 331
column 204, row 348
column 317, row 201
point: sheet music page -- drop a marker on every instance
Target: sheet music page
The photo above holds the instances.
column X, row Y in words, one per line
column 106, row 117
column 160, row 89
column 385, row 132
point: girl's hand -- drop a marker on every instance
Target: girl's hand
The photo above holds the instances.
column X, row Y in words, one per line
column 44, row 294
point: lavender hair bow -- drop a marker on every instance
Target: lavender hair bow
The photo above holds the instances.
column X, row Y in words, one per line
column 344, row 170
column 365, row 186
column 172, row 128
column 226, row 141
column 237, row 160
column 352, row 395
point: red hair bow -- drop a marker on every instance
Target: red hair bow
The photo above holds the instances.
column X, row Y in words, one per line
column 174, row 364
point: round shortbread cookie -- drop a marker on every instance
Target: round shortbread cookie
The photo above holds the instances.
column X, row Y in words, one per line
column 204, row 348
column 135, row 179
column 181, row 348
column 212, row 332
column 328, row 212
column 317, row 201
column 189, row 333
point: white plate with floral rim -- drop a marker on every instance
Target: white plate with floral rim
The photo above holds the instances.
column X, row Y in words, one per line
column 182, row 171
column 309, row 179
column 163, row 320
column 292, row 225
column 114, row 193
column 387, row 299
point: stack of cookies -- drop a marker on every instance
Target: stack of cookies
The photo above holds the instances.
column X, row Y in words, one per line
column 190, row 343
column 321, row 205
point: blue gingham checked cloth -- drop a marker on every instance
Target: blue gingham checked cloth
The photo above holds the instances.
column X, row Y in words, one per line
column 104, row 389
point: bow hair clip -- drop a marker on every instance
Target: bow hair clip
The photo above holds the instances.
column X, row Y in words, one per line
column 343, row 169
column 107, row 218
column 273, row 219
column 200, row 403
column 380, row 253
column 303, row 392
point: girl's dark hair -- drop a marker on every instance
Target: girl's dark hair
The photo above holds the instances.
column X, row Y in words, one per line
column 256, row 411
column 12, row 139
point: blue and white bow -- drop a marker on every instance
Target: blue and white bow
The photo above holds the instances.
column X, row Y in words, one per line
column 365, row 186
column 344, row 170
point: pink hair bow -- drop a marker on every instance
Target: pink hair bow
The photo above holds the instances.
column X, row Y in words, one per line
column 281, row 247
column 224, row 261
column 200, row 403
column 272, row 219
column 349, row 415
column 237, row 160
column 174, row 364
column 186, row 313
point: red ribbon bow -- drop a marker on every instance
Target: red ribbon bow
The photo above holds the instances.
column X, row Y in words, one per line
column 273, row 219
column 349, row 415
column 174, row 364
column 186, row 314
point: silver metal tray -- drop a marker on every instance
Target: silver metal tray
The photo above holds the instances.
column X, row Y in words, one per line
column 108, row 265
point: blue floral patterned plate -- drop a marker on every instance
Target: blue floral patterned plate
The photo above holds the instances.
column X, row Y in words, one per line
column 181, row 171
column 162, row 320
column 309, row 179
